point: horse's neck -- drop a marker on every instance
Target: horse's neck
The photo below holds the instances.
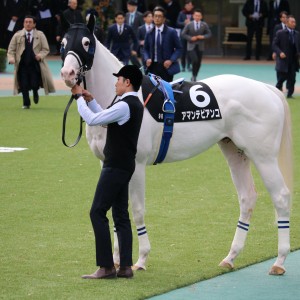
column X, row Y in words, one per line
column 100, row 81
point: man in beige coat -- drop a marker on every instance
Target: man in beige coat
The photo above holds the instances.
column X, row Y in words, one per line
column 196, row 32
column 27, row 51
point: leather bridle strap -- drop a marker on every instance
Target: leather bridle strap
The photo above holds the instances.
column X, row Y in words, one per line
column 80, row 78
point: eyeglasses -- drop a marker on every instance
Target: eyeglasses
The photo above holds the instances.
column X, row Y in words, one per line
column 158, row 16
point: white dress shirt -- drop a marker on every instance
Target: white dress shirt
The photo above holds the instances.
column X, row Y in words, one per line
column 94, row 114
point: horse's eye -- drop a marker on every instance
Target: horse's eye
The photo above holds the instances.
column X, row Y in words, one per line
column 86, row 43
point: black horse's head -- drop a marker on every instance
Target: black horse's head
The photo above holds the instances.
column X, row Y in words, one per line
column 80, row 43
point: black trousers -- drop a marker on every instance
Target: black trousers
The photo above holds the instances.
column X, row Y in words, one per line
column 159, row 69
column 289, row 77
column 251, row 30
column 29, row 78
column 112, row 192
column 196, row 58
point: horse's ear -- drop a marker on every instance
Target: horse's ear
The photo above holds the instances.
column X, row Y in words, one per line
column 91, row 23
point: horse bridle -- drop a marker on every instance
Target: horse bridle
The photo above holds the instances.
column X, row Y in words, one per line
column 81, row 78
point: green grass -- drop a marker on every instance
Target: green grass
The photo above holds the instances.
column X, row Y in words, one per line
column 46, row 239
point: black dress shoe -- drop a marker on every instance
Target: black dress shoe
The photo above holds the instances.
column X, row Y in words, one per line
column 35, row 97
column 125, row 272
column 247, row 58
column 290, row 97
column 102, row 273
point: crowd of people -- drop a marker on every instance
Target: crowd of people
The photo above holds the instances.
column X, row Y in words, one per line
column 135, row 35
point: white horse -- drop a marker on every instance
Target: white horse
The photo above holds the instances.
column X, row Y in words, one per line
column 255, row 126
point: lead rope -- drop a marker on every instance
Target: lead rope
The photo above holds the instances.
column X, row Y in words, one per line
column 79, row 80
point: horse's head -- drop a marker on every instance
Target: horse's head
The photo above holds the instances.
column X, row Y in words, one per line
column 77, row 51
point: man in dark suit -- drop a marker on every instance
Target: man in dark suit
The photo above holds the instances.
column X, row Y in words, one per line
column 12, row 18
column 196, row 32
column 147, row 27
column 275, row 8
column 172, row 8
column 286, row 45
column 162, row 48
column 70, row 16
column 134, row 18
column 255, row 12
column 121, row 40
column 280, row 26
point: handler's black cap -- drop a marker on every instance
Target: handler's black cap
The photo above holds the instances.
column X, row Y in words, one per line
column 133, row 73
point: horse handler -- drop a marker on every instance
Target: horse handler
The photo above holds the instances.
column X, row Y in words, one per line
column 123, row 119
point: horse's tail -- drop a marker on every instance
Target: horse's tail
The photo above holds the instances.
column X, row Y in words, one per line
column 285, row 157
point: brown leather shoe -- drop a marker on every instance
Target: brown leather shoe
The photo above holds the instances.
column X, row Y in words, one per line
column 125, row 272
column 102, row 273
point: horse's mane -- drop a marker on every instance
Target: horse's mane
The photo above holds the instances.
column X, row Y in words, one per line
column 111, row 56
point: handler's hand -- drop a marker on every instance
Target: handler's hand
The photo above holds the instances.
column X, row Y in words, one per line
column 38, row 57
column 87, row 95
column 11, row 61
column 77, row 89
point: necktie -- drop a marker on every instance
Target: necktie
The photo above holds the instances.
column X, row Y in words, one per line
column 158, row 46
column 256, row 6
column 197, row 25
column 120, row 30
column 28, row 37
column 131, row 20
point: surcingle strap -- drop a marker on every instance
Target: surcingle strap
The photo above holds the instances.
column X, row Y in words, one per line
column 168, row 109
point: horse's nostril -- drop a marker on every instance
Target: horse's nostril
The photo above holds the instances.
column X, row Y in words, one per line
column 72, row 72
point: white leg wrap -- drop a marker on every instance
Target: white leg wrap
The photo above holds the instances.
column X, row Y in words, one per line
column 238, row 242
column 144, row 246
column 283, row 240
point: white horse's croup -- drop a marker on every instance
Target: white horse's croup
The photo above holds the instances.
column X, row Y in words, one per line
column 255, row 126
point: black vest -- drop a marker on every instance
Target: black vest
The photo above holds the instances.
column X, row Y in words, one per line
column 121, row 141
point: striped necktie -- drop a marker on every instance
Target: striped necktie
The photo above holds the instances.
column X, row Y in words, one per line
column 28, row 37
column 158, row 46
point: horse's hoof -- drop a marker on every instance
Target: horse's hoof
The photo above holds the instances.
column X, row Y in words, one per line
column 275, row 270
column 137, row 268
column 225, row 264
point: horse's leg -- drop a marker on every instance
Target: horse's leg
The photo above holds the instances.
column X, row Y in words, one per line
column 275, row 184
column 242, row 178
column 137, row 197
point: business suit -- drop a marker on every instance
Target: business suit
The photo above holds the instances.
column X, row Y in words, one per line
column 287, row 67
column 278, row 27
column 274, row 17
column 195, row 48
column 142, row 31
column 137, row 22
column 12, row 10
column 254, row 25
column 171, row 49
column 183, row 16
column 30, row 74
column 120, row 44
